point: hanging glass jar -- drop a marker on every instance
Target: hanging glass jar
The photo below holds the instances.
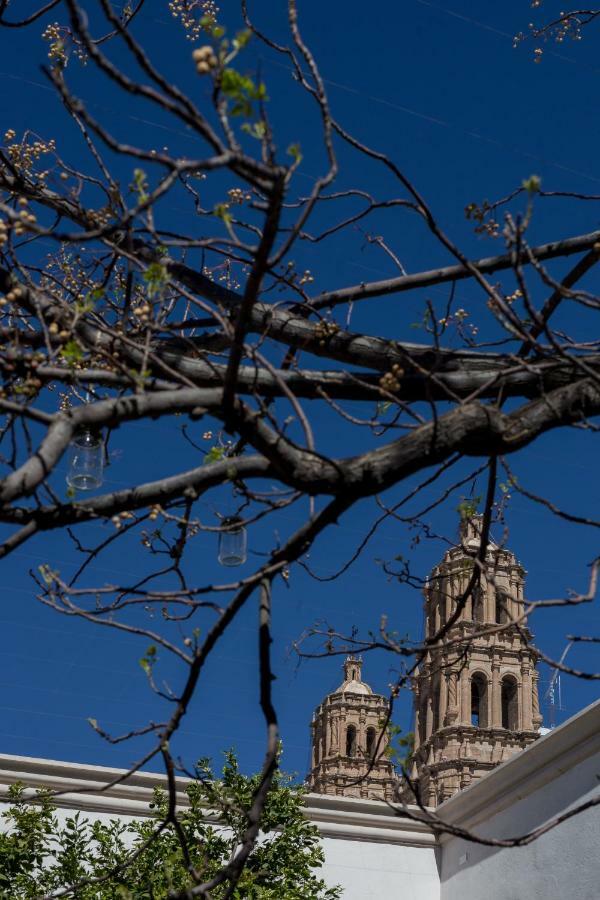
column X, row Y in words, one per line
column 233, row 542
column 86, row 461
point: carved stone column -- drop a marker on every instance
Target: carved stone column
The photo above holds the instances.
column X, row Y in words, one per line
column 489, row 601
column 496, row 705
column 428, row 716
column 465, row 698
column 526, row 721
column 468, row 608
column 443, row 698
column 446, row 588
column 535, row 701
column 512, row 604
column 333, row 744
column 452, row 708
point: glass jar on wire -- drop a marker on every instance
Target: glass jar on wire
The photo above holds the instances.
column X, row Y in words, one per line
column 86, row 461
column 233, row 542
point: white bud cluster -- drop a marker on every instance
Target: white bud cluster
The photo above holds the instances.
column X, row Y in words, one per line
column 195, row 15
column 237, row 196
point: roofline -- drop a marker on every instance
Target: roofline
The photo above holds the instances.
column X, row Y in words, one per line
column 521, row 775
column 90, row 789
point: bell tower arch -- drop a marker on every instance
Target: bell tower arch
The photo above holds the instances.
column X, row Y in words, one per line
column 349, row 741
column 476, row 694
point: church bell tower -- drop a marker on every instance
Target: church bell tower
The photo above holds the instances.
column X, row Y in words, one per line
column 349, row 741
column 476, row 694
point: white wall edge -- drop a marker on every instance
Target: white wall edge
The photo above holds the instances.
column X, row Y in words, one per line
column 351, row 818
column 552, row 755
column 89, row 789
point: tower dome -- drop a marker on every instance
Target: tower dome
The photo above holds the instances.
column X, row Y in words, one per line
column 353, row 683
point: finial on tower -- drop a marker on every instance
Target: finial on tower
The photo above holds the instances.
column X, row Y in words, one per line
column 352, row 668
column 470, row 528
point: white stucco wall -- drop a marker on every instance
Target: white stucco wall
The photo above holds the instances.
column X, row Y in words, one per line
column 562, row 771
column 372, row 853
column 367, row 871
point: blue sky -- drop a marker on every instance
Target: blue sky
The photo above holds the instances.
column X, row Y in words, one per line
column 467, row 117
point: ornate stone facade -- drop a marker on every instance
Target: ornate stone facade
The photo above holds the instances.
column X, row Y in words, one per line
column 346, row 735
column 476, row 694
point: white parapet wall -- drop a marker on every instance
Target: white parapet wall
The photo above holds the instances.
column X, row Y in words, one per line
column 558, row 773
column 369, row 851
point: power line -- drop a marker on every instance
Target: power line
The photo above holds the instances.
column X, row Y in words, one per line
column 436, row 120
column 505, row 34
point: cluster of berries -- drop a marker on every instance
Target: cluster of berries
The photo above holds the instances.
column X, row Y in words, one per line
column 13, row 294
column 510, row 298
column 120, row 518
column 55, row 35
column 206, row 59
column 24, row 154
column 26, row 219
column 155, row 512
column 325, row 330
column 142, row 312
column 390, row 382
column 55, row 330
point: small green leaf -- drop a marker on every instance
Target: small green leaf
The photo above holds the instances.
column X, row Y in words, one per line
column 532, row 184
column 294, row 151
column 215, row 454
column 221, row 210
column 72, row 352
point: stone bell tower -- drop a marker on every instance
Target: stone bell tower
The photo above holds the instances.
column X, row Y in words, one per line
column 476, row 694
column 348, row 741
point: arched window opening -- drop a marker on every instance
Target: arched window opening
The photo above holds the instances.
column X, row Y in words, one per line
column 371, row 736
column 501, row 608
column 351, row 741
column 479, row 701
column 478, row 604
column 510, row 704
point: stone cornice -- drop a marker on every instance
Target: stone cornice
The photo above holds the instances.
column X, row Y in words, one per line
column 83, row 787
column 349, row 818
